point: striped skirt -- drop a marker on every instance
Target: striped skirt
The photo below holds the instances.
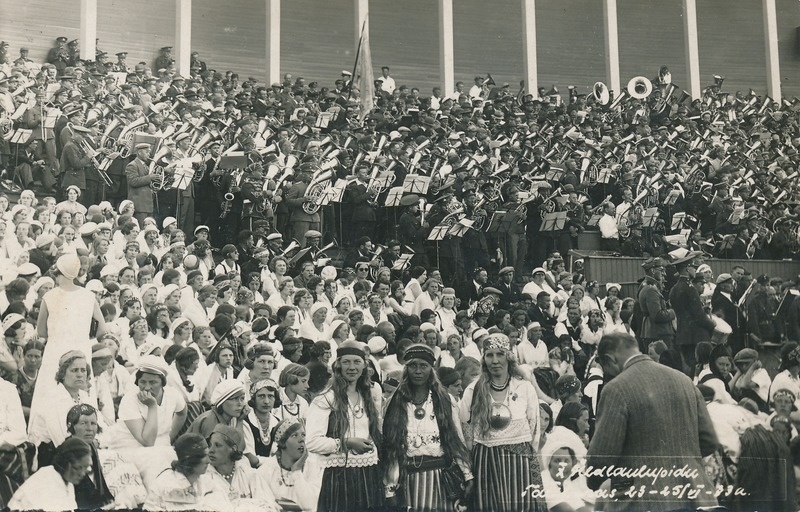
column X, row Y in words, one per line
column 425, row 489
column 355, row 489
column 507, row 479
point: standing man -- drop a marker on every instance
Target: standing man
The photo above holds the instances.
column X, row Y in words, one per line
column 185, row 209
column 139, row 180
column 299, row 220
column 165, row 60
column 694, row 325
column 657, row 319
column 363, row 220
column 387, row 82
column 636, row 418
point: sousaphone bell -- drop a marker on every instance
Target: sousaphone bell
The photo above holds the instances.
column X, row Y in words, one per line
column 640, row 87
column 601, row 93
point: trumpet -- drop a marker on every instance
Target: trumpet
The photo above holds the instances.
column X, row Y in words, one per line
column 293, row 245
column 92, row 153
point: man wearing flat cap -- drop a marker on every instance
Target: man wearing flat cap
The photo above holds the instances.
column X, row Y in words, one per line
column 139, row 180
column 509, row 288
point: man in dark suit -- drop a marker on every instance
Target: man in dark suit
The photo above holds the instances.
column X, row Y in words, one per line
column 139, row 179
column 508, row 287
column 540, row 312
column 363, row 220
column 694, row 325
column 638, row 416
column 724, row 306
column 657, row 318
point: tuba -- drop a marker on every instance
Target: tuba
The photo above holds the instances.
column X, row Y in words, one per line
column 315, row 190
column 125, row 138
column 601, row 93
column 694, row 180
column 640, row 87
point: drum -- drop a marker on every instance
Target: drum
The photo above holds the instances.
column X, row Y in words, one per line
column 722, row 330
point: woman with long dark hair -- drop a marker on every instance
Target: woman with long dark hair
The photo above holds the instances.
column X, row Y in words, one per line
column 343, row 428
column 500, row 419
column 426, row 460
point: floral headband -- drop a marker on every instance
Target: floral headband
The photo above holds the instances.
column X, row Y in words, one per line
column 497, row 341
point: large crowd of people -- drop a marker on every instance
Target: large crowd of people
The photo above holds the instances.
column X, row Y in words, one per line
column 219, row 294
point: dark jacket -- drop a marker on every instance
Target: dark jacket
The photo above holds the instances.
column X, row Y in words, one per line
column 694, row 325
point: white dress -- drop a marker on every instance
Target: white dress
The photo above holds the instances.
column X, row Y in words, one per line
column 68, row 322
column 60, row 495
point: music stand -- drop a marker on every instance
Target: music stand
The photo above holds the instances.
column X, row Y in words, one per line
column 302, row 252
column 594, row 220
column 649, row 217
column 324, row 119
column 416, row 184
column 337, row 194
column 554, row 174
column 19, row 112
column 554, row 221
column 327, row 196
column 496, row 222
column 183, row 176
column 605, row 175
column 403, row 261
column 784, row 304
column 725, row 244
column 120, row 77
column 736, row 216
column 678, row 221
column 51, row 118
column 394, row 196
column 672, row 197
column 20, row 136
column 233, row 160
column 461, row 227
column 438, row 232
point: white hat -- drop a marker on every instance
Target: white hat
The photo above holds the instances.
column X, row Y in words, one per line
column 168, row 222
column 153, row 364
column 11, row 320
column 69, row 265
column 124, row 204
column 376, row 345
column 95, row 286
column 328, row 273
column 225, row 390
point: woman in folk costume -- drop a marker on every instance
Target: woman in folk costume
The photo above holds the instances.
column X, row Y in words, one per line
column 343, row 428
column 500, row 418
column 426, row 460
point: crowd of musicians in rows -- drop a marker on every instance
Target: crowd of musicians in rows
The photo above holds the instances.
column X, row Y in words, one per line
column 185, row 229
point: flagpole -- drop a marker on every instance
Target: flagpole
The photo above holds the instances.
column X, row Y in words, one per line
column 355, row 64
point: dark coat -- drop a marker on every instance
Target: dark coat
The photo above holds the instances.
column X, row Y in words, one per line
column 637, row 424
column 656, row 317
column 694, row 325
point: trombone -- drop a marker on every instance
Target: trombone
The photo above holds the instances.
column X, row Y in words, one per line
column 100, row 167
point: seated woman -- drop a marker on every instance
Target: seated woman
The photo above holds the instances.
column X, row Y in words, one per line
column 185, row 486
column 261, row 421
column 283, row 474
column 562, row 492
column 13, row 464
column 219, row 368
column 294, row 385
column 227, row 408
column 152, row 414
column 231, row 474
column 47, row 428
column 71, row 461
column 182, row 376
column 109, row 469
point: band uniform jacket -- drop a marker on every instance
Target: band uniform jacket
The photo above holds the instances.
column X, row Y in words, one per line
column 410, row 232
column 139, row 186
column 652, row 415
column 362, row 211
column 73, row 165
column 694, row 325
column 295, row 199
column 657, row 319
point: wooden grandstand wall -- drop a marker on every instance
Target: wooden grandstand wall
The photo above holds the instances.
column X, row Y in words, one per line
column 318, row 37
